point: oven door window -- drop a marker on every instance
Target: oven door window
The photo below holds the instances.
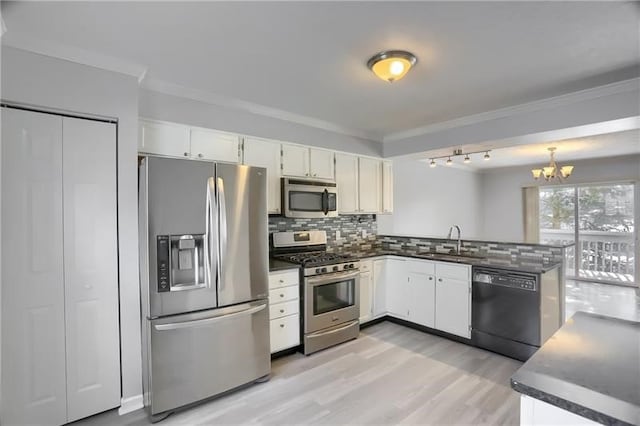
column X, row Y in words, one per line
column 333, row 296
column 305, row 201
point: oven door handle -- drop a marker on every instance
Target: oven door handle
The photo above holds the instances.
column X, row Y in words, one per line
column 329, row 278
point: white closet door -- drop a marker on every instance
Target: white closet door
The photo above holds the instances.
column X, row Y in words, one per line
column 33, row 351
column 90, row 267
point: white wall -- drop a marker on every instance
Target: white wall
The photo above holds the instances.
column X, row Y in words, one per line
column 160, row 106
column 52, row 83
column 502, row 208
column 428, row 201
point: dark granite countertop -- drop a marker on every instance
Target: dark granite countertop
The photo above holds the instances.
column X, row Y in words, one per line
column 281, row 265
column 555, row 245
column 590, row 367
column 520, row 264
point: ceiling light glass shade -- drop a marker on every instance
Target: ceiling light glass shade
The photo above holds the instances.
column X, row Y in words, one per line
column 549, row 172
column 487, row 156
column 392, row 65
column 566, row 171
column 467, row 160
column 536, row 173
column 432, row 164
column 449, row 162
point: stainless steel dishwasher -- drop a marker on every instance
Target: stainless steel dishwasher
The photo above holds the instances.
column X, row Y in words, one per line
column 506, row 312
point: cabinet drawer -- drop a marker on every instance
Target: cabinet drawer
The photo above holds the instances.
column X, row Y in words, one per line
column 284, row 294
column 285, row 332
column 283, row 278
column 278, row 310
column 366, row 265
column 421, row 267
column 449, row 270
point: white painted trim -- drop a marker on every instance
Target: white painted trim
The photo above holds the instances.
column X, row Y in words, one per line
column 130, row 404
column 228, row 102
column 72, row 54
column 556, row 101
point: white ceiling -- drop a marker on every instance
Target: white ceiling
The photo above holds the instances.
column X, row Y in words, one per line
column 606, row 145
column 308, row 58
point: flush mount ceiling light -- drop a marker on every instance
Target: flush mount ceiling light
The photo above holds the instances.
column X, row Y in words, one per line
column 552, row 171
column 458, row 153
column 392, row 65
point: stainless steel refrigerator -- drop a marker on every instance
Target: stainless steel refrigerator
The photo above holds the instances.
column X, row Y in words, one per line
column 204, row 280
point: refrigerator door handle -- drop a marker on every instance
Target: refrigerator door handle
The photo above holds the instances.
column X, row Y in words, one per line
column 222, row 223
column 211, row 234
column 208, row 321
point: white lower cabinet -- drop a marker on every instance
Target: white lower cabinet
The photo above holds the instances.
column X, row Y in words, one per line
column 434, row 294
column 366, row 290
column 534, row 412
column 284, row 309
column 60, row 336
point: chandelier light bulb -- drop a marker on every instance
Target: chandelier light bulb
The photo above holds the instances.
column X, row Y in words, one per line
column 449, row 162
column 467, row 160
column 432, row 164
column 486, row 156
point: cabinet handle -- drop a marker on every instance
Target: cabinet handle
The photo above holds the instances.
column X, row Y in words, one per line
column 306, row 174
column 199, row 155
column 186, row 154
column 440, row 279
column 430, row 278
column 282, row 311
column 315, row 174
column 281, row 325
column 280, row 281
column 282, row 295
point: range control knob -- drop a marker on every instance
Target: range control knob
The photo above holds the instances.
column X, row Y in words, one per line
column 318, row 270
column 324, row 270
column 351, row 266
column 335, row 268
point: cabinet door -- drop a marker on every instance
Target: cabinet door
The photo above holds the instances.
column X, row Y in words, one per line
column 212, row 145
column 90, row 267
column 284, row 332
column 453, row 306
column 33, row 348
column 370, row 183
column 295, row 160
column 163, row 138
column 321, row 164
column 422, row 299
column 379, row 287
column 398, row 291
column 387, row 187
column 366, row 296
column 347, row 181
column 264, row 153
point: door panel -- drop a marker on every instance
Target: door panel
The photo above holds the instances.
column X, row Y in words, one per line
column 244, row 239
column 321, row 164
column 176, row 202
column 211, row 145
column 163, row 138
column 266, row 154
column 422, row 298
column 90, row 267
column 397, row 288
column 199, row 355
column 33, row 352
column 366, row 295
column 387, row 187
column 347, row 182
column 295, row 160
column 370, row 185
column 453, row 306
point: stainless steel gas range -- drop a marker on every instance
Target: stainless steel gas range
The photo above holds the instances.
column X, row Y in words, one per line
column 330, row 288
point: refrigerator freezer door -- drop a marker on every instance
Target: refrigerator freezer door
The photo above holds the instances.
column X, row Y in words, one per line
column 177, row 195
column 244, row 239
column 199, row 355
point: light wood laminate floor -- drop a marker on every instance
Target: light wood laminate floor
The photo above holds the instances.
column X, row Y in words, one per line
column 391, row 374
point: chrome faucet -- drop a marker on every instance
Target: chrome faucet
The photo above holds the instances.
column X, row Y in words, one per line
column 459, row 244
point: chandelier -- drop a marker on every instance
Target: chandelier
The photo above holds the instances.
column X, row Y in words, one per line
column 458, row 153
column 552, row 171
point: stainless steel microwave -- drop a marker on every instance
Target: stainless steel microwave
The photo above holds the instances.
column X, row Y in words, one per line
column 304, row 198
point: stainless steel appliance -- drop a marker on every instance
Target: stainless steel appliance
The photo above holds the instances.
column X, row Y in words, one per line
column 309, row 198
column 513, row 313
column 204, row 280
column 330, row 288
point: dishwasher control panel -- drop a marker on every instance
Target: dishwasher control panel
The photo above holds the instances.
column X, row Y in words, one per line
column 506, row 279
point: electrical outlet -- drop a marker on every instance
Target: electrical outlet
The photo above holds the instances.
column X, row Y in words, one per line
column 338, row 234
column 364, row 233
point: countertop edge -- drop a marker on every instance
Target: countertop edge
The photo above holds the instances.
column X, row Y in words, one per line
column 565, row 404
column 474, row 240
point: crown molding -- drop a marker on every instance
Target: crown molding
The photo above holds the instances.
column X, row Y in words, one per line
column 73, row 54
column 556, row 101
column 172, row 89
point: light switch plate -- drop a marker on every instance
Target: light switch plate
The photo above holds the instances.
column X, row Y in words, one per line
column 338, row 234
column 364, row 233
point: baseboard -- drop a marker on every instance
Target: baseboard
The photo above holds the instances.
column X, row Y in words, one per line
column 130, row 404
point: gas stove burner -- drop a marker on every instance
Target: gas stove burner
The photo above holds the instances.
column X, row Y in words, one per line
column 315, row 258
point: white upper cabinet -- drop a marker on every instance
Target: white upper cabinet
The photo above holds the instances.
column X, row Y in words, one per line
column 295, row 160
column 163, row 138
column 387, row 187
column 212, row 145
column 321, row 164
column 302, row 161
column 370, row 185
column 265, row 153
column 347, row 181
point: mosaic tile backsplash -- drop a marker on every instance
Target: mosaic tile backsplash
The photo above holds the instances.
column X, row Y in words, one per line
column 351, row 229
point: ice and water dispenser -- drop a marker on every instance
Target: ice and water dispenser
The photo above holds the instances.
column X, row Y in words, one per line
column 180, row 262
